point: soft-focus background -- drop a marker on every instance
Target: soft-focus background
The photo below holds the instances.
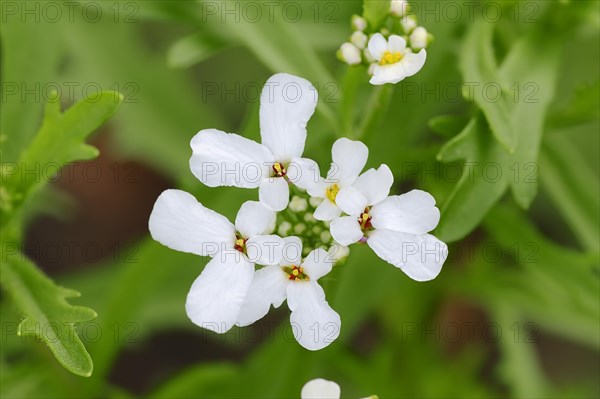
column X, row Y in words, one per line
column 515, row 311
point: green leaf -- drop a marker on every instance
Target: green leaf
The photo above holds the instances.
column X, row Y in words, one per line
column 479, row 70
column 58, row 142
column 193, row 49
column 375, row 12
column 489, row 170
column 448, row 125
column 48, row 315
column 573, row 188
column 584, row 107
column 197, row 381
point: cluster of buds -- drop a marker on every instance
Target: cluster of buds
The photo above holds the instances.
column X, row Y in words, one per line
column 398, row 22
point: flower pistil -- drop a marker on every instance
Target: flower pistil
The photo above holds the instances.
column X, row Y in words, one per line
column 296, row 273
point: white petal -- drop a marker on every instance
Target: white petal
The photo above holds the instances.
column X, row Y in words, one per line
column 317, row 264
column 292, row 251
column 226, row 159
column 419, row 256
column 217, row 295
column 254, row 219
column 346, row 230
column 304, row 173
column 182, row 223
column 377, row 46
column 318, row 190
column 286, row 104
column 396, row 43
column 268, row 288
column 264, row 250
column 351, row 201
column 413, row 63
column 320, row 389
column 349, row 158
column 392, row 73
column 375, row 184
column 275, row 193
column 414, row 212
column 327, row 210
column 314, row 324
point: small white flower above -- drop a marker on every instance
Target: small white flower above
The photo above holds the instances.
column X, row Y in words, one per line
column 394, row 60
column 216, row 297
column 314, row 324
column 224, row 159
column 395, row 227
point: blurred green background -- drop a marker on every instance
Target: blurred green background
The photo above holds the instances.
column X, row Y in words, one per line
column 514, row 313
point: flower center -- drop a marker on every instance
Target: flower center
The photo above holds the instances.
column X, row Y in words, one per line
column 332, row 191
column 279, row 169
column 390, row 58
column 365, row 220
column 296, row 273
column 240, row 243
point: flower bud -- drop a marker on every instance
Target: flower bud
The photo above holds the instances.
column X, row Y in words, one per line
column 299, row 228
column 349, row 54
column 284, row 228
column 309, row 217
column 338, row 252
column 408, row 23
column 368, row 56
column 419, row 38
column 298, row 204
column 359, row 23
column 359, row 39
column 315, row 201
column 399, row 8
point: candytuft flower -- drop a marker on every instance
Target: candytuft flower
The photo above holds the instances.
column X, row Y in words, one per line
column 395, row 60
column 314, row 324
column 348, row 160
column 216, row 297
column 395, row 227
column 223, row 159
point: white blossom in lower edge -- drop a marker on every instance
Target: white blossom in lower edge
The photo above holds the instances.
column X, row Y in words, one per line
column 395, row 227
column 216, row 297
column 314, row 324
column 395, row 60
column 323, row 389
column 348, row 160
column 224, row 159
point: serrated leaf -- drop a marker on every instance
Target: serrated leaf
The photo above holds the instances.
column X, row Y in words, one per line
column 58, row 142
column 448, row 125
column 489, row 170
column 479, row 69
column 49, row 316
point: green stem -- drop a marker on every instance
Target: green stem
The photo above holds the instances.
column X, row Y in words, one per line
column 375, row 111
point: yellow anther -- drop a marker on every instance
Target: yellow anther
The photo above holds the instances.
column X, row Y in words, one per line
column 332, row 191
column 296, row 279
column 279, row 169
column 239, row 242
column 390, row 58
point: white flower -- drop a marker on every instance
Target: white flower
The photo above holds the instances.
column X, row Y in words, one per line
column 359, row 39
column 349, row 54
column 418, row 38
column 348, row 160
column 395, row 227
column 314, row 324
column 359, row 23
column 323, row 389
column 320, row 389
column 396, row 62
column 223, row 159
column 399, row 8
column 215, row 299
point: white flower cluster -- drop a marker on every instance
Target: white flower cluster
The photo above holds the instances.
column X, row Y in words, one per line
column 313, row 229
column 394, row 52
